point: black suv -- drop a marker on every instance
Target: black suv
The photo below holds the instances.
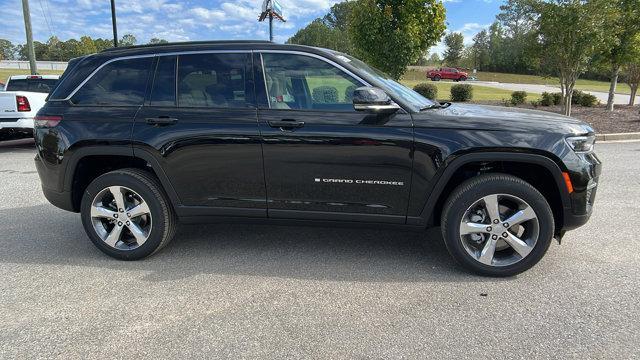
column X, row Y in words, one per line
column 138, row 138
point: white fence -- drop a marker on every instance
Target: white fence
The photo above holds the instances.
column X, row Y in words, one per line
column 42, row 65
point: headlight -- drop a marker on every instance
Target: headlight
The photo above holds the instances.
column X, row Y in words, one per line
column 581, row 144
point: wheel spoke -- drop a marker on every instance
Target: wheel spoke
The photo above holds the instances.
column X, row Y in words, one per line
column 486, row 255
column 521, row 216
column 113, row 236
column 137, row 233
column 101, row 212
column 139, row 210
column 491, row 204
column 518, row 245
column 467, row 228
column 116, row 191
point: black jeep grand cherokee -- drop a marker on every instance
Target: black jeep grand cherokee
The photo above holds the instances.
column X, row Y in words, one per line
column 138, row 138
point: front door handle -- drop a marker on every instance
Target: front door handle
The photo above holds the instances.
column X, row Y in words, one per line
column 161, row 120
column 286, row 124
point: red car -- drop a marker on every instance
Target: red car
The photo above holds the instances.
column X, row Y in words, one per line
column 447, row 73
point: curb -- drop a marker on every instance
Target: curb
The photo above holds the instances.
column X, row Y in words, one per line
column 618, row 136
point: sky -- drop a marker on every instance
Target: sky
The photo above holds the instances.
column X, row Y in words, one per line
column 175, row 20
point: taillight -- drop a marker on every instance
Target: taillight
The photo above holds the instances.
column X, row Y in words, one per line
column 23, row 103
column 46, row 121
column 34, row 77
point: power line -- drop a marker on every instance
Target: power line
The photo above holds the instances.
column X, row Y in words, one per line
column 45, row 18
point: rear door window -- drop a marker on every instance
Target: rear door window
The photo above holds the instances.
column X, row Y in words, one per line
column 163, row 92
column 120, row 83
column 214, row 81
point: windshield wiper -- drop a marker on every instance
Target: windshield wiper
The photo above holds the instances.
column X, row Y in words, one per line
column 436, row 106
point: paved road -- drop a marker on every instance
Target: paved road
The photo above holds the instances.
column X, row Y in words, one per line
column 238, row 291
column 539, row 89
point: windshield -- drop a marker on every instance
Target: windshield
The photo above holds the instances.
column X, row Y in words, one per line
column 392, row 87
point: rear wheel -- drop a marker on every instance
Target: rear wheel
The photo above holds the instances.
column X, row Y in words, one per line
column 127, row 215
column 463, row 78
column 436, row 78
column 497, row 225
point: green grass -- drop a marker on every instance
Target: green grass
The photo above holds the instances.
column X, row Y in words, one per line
column 582, row 84
column 5, row 73
column 480, row 93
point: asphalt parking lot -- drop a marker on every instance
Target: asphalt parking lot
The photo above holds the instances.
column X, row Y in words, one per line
column 239, row 291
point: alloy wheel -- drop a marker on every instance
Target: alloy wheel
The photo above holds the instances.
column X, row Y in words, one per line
column 121, row 218
column 499, row 230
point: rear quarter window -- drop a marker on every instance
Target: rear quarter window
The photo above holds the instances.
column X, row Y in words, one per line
column 120, row 83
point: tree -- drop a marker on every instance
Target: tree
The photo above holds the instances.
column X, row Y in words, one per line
column 391, row 34
column 87, row 45
column 102, row 44
column 329, row 31
column 7, row 50
column 623, row 30
column 480, row 50
column 128, row 40
column 571, row 32
column 434, row 59
column 632, row 69
column 455, row 45
column 158, row 41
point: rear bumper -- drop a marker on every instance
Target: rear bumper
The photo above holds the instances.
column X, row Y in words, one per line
column 61, row 200
column 19, row 123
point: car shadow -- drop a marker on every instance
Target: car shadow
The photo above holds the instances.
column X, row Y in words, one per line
column 26, row 144
column 42, row 234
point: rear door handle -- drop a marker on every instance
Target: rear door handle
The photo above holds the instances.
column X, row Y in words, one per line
column 161, row 120
column 286, row 124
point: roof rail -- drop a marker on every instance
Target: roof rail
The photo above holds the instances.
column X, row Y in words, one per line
column 206, row 42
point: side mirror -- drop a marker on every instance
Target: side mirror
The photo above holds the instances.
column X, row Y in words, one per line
column 374, row 100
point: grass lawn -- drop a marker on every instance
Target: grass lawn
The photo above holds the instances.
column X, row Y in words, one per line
column 480, row 93
column 592, row 85
column 5, row 73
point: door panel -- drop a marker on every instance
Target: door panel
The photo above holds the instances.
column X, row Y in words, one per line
column 329, row 165
column 208, row 142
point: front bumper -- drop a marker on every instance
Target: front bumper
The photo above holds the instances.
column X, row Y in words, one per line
column 585, row 179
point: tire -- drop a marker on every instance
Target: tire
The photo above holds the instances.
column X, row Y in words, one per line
column 436, row 78
column 137, row 187
column 508, row 191
column 463, row 78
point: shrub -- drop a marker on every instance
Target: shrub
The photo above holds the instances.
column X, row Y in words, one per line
column 557, row 98
column 577, row 97
column 588, row 100
column 429, row 91
column 461, row 92
column 546, row 99
column 536, row 103
column 518, row 97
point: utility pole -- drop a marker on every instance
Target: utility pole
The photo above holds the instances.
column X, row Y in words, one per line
column 27, row 28
column 113, row 23
column 271, row 27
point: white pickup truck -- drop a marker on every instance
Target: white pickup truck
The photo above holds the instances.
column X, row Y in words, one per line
column 21, row 99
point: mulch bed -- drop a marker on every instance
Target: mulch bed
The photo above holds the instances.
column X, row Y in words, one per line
column 623, row 119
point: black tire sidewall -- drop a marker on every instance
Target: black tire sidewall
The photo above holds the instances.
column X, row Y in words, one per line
column 464, row 196
column 158, row 218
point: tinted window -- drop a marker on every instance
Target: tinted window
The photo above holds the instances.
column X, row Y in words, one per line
column 120, row 83
column 33, row 85
column 303, row 82
column 164, row 84
column 213, row 80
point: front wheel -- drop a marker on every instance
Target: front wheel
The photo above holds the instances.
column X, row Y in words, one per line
column 436, row 78
column 127, row 214
column 497, row 225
